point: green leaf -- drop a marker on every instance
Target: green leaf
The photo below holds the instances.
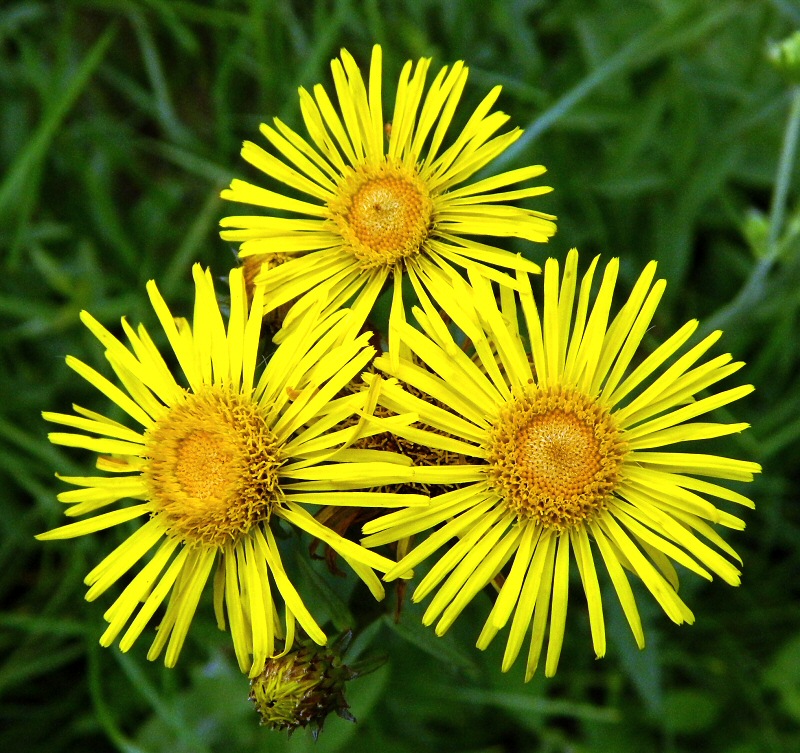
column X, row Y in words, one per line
column 28, row 161
column 783, row 675
column 690, row 711
column 445, row 649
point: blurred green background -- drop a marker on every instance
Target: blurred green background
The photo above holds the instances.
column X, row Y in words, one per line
column 662, row 124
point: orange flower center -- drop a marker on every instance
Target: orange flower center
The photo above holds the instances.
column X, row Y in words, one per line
column 212, row 468
column 383, row 214
column 555, row 455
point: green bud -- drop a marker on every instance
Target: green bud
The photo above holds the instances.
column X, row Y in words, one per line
column 301, row 689
column 785, row 56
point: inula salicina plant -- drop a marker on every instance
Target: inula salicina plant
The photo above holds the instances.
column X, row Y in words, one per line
column 512, row 429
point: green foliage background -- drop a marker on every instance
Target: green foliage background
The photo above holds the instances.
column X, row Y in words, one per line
column 662, row 125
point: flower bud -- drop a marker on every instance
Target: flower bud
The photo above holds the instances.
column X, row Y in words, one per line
column 301, row 689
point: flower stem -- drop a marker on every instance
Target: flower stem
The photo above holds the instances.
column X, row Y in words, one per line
column 754, row 289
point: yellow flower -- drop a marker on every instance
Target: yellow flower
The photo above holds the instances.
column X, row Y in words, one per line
column 373, row 209
column 217, row 465
column 574, row 456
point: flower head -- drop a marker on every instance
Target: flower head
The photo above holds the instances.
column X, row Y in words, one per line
column 217, row 465
column 573, row 456
column 375, row 208
column 301, row 689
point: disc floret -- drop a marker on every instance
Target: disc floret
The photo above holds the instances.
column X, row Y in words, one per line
column 212, row 468
column 383, row 213
column 554, row 456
